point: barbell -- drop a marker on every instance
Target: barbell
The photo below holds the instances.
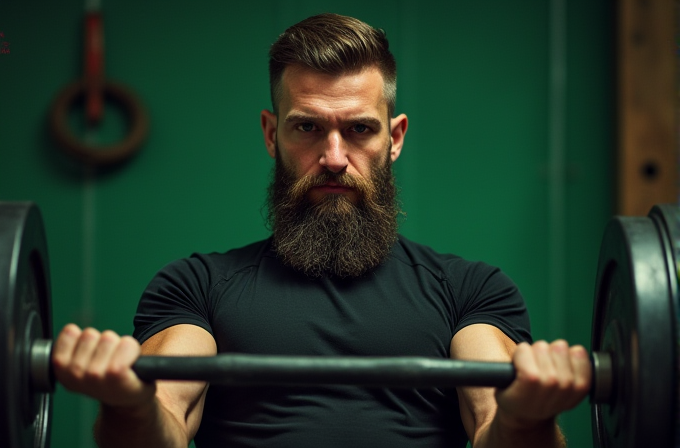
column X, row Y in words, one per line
column 635, row 396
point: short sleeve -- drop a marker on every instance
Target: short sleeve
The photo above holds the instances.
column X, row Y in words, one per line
column 485, row 295
column 178, row 294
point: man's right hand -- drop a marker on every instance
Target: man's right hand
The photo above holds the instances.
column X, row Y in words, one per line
column 100, row 365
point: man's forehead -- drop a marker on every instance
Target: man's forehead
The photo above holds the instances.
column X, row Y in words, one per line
column 307, row 90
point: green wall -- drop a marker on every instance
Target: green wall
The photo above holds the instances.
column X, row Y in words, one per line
column 508, row 157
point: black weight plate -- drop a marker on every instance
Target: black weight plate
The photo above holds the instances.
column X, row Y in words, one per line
column 667, row 218
column 634, row 320
column 25, row 314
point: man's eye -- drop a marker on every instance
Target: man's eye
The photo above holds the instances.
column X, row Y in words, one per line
column 360, row 128
column 306, row 127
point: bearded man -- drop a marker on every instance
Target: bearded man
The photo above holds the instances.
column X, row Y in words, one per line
column 335, row 278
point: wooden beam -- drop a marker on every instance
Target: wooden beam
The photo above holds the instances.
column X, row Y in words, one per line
column 647, row 103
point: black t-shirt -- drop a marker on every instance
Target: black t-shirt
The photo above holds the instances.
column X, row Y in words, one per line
column 411, row 305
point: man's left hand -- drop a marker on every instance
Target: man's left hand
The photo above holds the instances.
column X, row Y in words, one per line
column 551, row 378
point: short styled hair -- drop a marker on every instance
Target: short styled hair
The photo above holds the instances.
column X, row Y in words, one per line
column 333, row 44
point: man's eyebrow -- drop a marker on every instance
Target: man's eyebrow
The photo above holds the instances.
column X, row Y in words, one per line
column 296, row 117
column 370, row 121
column 367, row 120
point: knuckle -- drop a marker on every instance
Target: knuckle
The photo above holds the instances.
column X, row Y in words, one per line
column 560, row 342
column 129, row 340
column 90, row 333
column 522, row 351
column 523, row 345
column 541, row 344
column 541, row 349
column 71, row 330
column 560, row 345
column 579, row 352
column 66, row 338
column 130, row 345
column 109, row 336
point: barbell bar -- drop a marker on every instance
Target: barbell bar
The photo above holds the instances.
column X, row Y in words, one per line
column 635, row 340
column 410, row 372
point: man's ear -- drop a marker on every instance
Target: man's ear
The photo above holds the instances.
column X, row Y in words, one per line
column 398, row 127
column 268, row 122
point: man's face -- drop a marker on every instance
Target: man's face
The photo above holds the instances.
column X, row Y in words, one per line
column 332, row 200
column 336, row 124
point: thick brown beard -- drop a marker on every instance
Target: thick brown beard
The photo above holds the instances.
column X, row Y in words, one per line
column 333, row 237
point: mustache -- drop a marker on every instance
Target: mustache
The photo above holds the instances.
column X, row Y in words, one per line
column 301, row 186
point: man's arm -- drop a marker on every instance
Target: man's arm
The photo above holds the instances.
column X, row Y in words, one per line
column 551, row 378
column 133, row 413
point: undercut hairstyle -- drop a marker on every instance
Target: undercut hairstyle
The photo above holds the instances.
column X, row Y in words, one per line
column 336, row 45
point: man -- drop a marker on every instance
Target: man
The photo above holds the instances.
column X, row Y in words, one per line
column 335, row 278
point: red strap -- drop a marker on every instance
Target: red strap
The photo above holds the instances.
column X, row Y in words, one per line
column 94, row 67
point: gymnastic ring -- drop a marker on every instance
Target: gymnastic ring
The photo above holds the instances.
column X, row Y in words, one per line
column 99, row 155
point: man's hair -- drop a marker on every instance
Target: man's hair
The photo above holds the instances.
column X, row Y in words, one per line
column 333, row 44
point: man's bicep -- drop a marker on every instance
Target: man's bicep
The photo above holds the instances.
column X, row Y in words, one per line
column 179, row 340
column 479, row 342
column 183, row 399
column 482, row 342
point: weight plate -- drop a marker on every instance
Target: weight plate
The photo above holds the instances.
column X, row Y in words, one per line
column 667, row 219
column 634, row 321
column 25, row 315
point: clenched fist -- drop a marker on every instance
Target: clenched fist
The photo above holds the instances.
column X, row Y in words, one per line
column 100, row 365
column 551, row 378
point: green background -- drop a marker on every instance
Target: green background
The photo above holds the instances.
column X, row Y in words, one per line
column 508, row 158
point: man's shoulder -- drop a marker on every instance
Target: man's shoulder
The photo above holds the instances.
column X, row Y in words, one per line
column 412, row 252
column 439, row 263
column 239, row 257
column 254, row 250
column 222, row 264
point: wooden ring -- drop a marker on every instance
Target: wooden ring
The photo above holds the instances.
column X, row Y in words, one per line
column 99, row 155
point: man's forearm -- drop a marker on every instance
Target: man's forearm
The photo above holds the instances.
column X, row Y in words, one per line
column 149, row 426
column 499, row 434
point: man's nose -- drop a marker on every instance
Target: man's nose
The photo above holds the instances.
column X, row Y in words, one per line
column 334, row 155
